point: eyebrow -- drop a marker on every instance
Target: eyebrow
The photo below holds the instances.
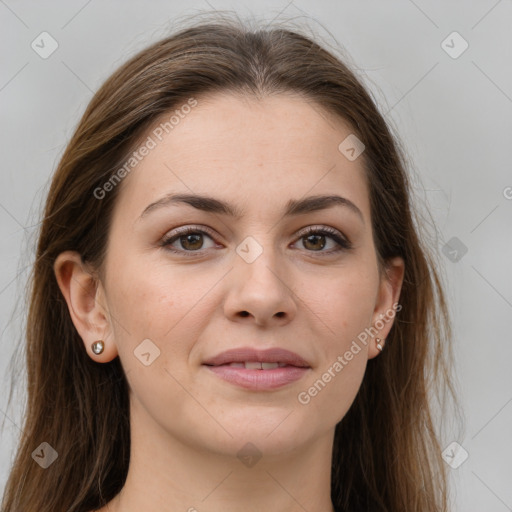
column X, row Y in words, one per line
column 212, row 205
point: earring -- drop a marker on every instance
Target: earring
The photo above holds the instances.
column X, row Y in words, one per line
column 97, row 347
column 379, row 346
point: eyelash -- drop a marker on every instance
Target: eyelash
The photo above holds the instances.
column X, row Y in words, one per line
column 343, row 243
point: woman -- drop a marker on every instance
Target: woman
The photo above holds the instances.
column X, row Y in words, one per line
column 231, row 305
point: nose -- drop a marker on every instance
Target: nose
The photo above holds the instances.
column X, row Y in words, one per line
column 260, row 292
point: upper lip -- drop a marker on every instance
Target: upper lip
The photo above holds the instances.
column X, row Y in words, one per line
column 247, row 354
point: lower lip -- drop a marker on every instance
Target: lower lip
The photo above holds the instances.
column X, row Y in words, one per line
column 259, row 379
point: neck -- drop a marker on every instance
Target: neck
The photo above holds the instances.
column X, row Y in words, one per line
column 169, row 474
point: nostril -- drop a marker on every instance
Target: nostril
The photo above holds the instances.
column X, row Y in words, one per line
column 244, row 313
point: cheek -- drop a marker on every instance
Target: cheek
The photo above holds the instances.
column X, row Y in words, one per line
column 335, row 383
column 147, row 303
column 343, row 303
column 154, row 330
column 164, row 304
column 332, row 392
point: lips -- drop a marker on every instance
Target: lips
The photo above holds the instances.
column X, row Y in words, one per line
column 257, row 359
column 258, row 370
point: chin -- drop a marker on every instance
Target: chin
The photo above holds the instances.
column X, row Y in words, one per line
column 274, row 433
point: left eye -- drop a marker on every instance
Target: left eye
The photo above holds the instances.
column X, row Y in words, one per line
column 315, row 238
column 316, row 241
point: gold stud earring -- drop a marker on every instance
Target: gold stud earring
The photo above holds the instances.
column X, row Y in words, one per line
column 97, row 347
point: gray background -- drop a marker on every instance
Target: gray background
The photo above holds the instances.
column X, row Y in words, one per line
column 453, row 115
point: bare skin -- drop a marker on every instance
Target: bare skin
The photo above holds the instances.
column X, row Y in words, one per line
column 300, row 294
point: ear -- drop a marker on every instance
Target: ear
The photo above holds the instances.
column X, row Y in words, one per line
column 387, row 305
column 85, row 298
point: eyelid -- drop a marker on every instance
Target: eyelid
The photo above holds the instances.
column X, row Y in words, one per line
column 314, row 228
column 188, row 228
column 175, row 234
column 343, row 243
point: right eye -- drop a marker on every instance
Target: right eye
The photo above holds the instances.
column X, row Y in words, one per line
column 190, row 238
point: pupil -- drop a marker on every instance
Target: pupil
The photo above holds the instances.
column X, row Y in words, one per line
column 191, row 238
column 317, row 237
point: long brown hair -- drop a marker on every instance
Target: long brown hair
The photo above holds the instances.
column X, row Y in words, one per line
column 387, row 453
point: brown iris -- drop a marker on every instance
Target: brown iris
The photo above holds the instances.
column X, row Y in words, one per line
column 318, row 241
column 193, row 240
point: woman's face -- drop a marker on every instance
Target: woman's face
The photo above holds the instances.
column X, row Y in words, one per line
column 252, row 281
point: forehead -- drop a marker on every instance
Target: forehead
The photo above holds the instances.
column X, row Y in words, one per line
column 242, row 148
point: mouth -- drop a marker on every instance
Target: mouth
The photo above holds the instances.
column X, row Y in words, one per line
column 258, row 370
column 251, row 358
column 254, row 365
